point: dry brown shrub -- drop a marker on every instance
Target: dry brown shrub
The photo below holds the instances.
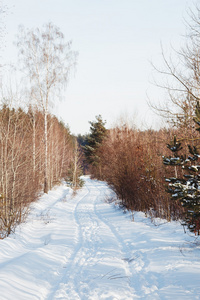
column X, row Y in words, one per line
column 132, row 165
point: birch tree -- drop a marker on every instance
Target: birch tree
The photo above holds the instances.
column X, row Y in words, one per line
column 47, row 61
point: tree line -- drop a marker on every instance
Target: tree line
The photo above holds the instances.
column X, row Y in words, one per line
column 130, row 160
column 22, row 161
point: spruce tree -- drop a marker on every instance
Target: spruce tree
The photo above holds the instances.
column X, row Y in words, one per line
column 186, row 187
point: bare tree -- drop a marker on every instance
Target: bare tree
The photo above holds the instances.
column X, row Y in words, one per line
column 182, row 78
column 47, row 61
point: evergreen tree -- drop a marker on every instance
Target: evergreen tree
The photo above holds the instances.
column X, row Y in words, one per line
column 186, row 187
column 93, row 142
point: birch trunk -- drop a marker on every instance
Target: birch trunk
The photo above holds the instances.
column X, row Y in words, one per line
column 46, row 187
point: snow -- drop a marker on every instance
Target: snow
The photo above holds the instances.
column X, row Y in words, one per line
column 85, row 247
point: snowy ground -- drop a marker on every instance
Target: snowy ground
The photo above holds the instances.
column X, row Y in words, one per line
column 85, row 248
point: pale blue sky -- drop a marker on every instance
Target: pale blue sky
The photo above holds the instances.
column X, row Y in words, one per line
column 116, row 40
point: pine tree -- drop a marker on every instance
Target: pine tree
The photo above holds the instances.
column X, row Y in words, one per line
column 186, row 188
column 93, row 142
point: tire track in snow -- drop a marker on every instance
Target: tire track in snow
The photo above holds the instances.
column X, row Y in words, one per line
column 99, row 248
column 67, row 267
column 126, row 251
column 138, row 260
column 135, row 262
column 67, row 286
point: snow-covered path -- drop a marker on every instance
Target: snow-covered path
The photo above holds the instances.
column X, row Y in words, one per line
column 85, row 248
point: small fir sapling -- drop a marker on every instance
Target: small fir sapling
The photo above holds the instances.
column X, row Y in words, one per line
column 185, row 187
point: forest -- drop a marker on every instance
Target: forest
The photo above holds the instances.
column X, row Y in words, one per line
column 153, row 171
